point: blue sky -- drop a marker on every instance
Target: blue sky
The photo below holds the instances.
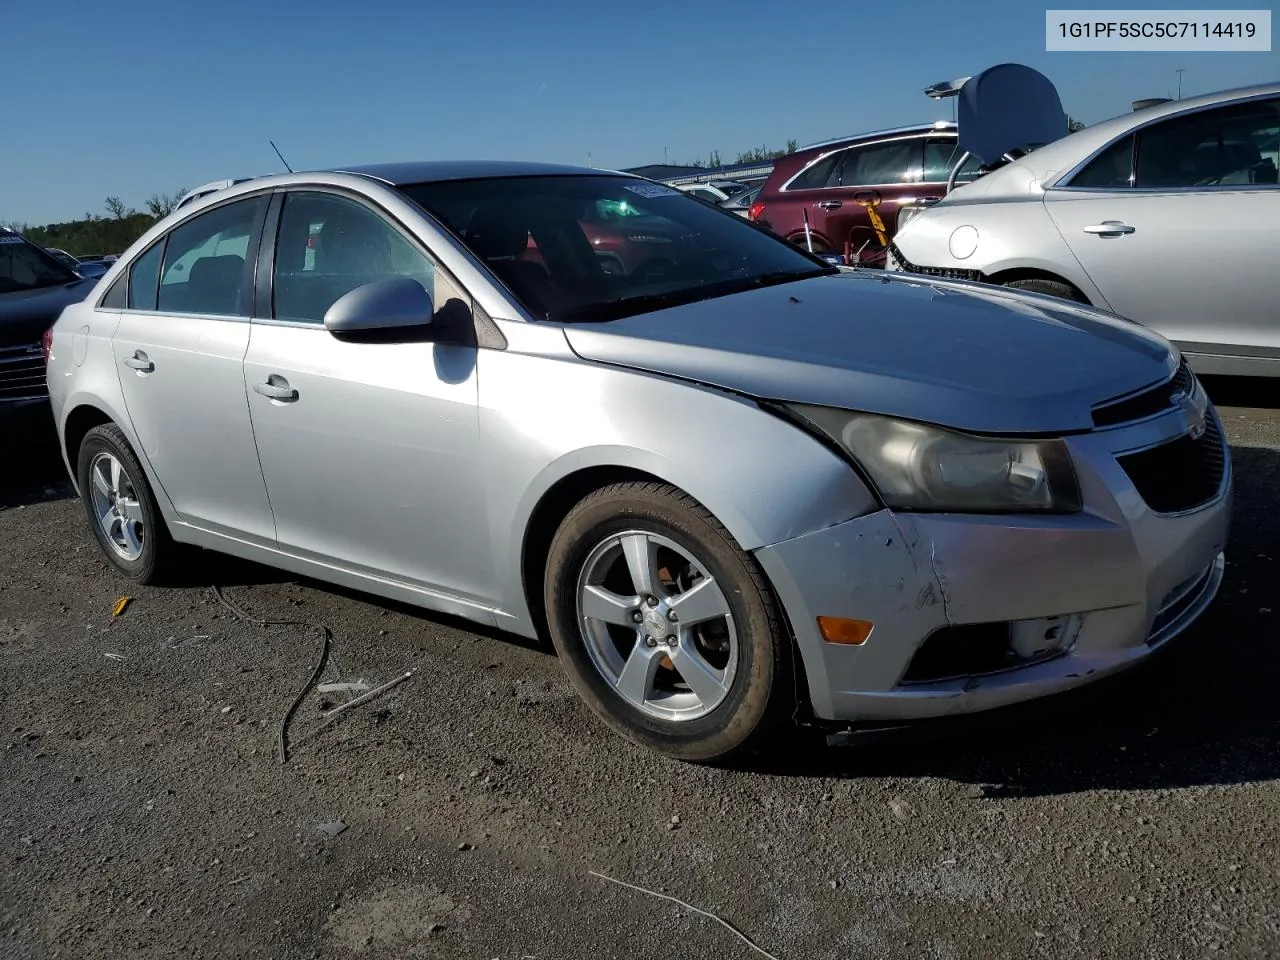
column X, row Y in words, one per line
column 135, row 98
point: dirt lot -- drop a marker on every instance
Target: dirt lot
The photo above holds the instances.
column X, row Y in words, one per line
column 144, row 811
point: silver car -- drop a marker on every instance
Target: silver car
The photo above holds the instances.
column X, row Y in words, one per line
column 738, row 487
column 1169, row 216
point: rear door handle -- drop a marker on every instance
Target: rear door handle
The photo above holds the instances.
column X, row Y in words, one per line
column 139, row 362
column 276, row 388
column 830, row 204
column 1109, row 228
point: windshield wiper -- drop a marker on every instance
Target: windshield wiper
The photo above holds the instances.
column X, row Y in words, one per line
column 786, row 276
column 626, row 307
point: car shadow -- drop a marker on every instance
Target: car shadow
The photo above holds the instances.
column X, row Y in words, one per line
column 35, row 472
column 1201, row 712
column 1256, row 392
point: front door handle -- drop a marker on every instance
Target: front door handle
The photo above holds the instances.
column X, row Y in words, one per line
column 139, row 362
column 276, row 388
column 830, row 204
column 1109, row 228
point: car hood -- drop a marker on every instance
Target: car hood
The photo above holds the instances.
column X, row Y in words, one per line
column 959, row 355
column 26, row 314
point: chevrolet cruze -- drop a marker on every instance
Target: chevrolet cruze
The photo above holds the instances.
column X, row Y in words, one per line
column 738, row 488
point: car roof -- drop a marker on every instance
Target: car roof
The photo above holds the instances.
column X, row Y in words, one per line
column 947, row 126
column 427, row 171
column 1062, row 155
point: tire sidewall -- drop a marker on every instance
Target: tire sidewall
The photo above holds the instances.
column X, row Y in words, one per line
column 109, row 440
column 737, row 716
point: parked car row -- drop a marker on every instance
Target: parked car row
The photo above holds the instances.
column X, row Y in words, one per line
column 739, row 487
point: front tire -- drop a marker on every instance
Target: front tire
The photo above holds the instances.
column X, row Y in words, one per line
column 120, row 506
column 666, row 627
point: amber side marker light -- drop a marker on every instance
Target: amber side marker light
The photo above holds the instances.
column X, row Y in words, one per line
column 852, row 633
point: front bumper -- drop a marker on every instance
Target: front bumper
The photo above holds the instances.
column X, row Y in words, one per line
column 1135, row 577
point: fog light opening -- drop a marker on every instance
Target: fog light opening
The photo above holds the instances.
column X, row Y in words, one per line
column 1041, row 639
column 851, row 633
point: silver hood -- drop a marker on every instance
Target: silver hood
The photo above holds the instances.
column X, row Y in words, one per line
column 963, row 356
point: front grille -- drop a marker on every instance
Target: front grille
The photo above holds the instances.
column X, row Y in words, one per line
column 22, row 373
column 946, row 273
column 1180, row 475
column 1147, row 403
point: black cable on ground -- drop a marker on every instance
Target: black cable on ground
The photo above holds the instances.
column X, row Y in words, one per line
column 326, row 640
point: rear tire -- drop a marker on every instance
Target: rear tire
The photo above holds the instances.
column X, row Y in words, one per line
column 1052, row 288
column 629, row 646
column 121, row 508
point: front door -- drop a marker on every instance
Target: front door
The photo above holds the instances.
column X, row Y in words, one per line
column 179, row 351
column 370, row 450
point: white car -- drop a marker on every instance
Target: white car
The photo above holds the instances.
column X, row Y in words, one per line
column 1169, row 216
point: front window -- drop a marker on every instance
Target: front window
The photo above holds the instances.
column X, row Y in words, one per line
column 24, row 266
column 595, row 248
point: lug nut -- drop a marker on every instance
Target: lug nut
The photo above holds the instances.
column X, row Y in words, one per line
column 636, row 616
column 672, row 641
column 650, row 642
column 671, row 615
column 651, row 601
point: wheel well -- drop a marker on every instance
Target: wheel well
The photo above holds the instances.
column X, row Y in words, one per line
column 546, row 519
column 1030, row 273
column 79, row 422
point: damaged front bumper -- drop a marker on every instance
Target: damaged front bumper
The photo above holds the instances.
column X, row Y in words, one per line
column 953, row 597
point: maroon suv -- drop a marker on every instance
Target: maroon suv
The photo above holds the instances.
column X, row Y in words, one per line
column 855, row 188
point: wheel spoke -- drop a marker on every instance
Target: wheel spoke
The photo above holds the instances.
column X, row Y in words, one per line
column 601, row 604
column 642, row 563
column 115, row 476
column 100, row 480
column 635, row 683
column 706, row 683
column 130, row 531
column 701, row 602
column 108, row 517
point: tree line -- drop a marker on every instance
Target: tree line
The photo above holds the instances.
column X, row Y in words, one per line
column 96, row 233
column 761, row 154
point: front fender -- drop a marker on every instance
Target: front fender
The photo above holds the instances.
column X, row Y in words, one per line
column 764, row 479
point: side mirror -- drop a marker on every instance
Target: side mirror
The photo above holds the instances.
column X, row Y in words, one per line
column 398, row 308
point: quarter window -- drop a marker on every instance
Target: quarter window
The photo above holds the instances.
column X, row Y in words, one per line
column 144, row 276
column 206, row 263
column 1234, row 145
column 328, row 245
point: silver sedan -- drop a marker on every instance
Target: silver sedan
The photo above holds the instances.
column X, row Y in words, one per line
column 738, row 487
column 1169, row 216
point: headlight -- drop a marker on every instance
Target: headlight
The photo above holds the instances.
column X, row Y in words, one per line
column 919, row 467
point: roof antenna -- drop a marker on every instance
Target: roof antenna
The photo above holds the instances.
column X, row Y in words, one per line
column 280, row 155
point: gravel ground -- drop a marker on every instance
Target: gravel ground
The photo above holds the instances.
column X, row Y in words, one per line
column 144, row 811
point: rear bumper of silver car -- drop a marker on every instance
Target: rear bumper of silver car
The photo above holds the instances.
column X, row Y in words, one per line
column 1112, row 584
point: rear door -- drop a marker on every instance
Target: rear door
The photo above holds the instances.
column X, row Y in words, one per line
column 1177, row 227
column 179, row 351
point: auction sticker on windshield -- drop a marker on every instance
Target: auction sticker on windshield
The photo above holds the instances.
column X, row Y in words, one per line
column 650, row 190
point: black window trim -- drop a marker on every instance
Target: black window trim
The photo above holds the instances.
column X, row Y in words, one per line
column 1063, row 183
column 255, row 240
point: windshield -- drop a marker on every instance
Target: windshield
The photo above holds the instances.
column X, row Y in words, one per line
column 594, row 248
column 24, row 266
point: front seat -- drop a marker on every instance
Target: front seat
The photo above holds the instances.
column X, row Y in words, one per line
column 500, row 239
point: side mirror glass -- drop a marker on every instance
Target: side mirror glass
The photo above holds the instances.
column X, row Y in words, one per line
column 394, row 308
